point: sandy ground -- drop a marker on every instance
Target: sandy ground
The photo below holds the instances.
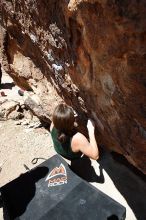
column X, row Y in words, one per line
column 19, row 145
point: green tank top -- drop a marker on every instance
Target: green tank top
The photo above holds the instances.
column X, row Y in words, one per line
column 64, row 149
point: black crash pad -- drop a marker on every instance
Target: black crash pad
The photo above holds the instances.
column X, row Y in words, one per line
column 53, row 191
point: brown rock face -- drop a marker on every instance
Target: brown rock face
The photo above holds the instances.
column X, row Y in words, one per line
column 93, row 53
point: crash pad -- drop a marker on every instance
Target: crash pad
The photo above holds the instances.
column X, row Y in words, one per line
column 53, row 191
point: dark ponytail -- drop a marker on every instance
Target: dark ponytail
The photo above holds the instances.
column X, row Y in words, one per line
column 63, row 120
column 62, row 137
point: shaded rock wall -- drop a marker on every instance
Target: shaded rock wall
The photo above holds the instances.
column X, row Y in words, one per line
column 93, row 53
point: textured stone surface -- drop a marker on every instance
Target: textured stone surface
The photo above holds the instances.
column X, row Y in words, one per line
column 93, row 53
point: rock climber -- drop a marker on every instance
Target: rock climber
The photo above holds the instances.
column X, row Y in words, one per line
column 67, row 141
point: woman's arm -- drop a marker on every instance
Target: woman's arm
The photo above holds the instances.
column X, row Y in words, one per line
column 80, row 143
column 51, row 126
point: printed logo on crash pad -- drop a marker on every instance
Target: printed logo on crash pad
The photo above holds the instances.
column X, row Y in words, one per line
column 57, row 176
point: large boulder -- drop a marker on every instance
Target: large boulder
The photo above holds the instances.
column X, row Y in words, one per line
column 93, row 53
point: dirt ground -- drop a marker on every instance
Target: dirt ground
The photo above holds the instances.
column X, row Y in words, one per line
column 19, row 141
column 19, row 144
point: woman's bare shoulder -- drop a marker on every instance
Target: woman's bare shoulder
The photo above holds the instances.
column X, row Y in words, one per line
column 78, row 136
column 78, row 141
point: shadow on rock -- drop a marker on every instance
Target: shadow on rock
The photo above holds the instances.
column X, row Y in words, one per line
column 7, row 85
column 127, row 179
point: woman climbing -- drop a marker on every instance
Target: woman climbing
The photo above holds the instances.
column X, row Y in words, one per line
column 67, row 141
